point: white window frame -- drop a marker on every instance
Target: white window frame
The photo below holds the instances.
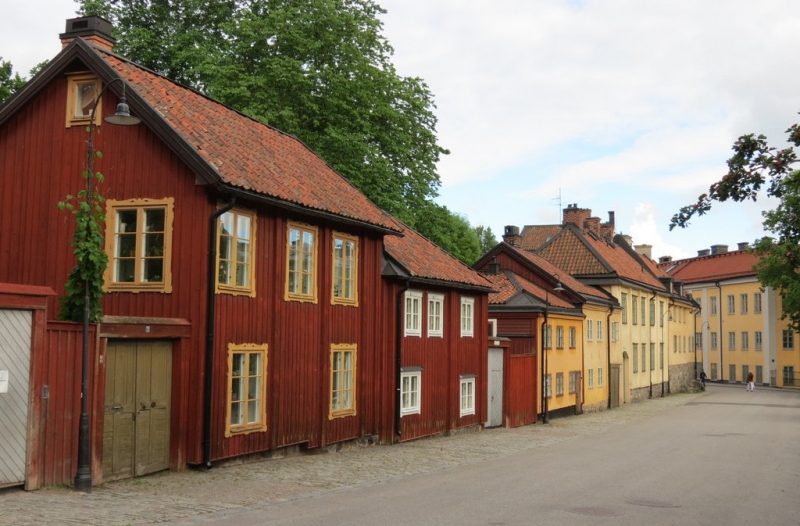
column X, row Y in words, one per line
column 614, row 331
column 590, row 379
column 410, row 392
column 743, row 307
column 559, row 337
column 731, row 304
column 731, row 340
column 589, row 331
column 759, row 340
column 412, row 313
column 599, row 330
column 712, row 305
column 787, row 337
column 559, row 384
column 435, row 315
column 599, row 377
column 745, row 341
column 467, row 395
column 573, row 337
column 467, row 317
column 757, row 302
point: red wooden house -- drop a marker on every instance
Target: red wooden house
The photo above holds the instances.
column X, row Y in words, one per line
column 441, row 310
column 244, row 310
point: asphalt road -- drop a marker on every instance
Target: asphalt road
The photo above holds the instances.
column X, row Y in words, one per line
column 728, row 457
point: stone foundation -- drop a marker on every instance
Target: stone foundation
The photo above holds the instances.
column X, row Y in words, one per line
column 681, row 378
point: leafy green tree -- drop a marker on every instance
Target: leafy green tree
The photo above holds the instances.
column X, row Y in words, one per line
column 486, row 238
column 8, row 84
column 756, row 167
column 317, row 69
column 449, row 230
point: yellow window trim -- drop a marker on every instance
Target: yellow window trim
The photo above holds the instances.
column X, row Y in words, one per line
column 250, row 288
column 73, row 79
column 112, row 206
column 249, row 348
column 344, row 347
column 353, row 302
column 296, row 296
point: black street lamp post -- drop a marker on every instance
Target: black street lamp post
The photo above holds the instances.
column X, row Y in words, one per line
column 83, row 476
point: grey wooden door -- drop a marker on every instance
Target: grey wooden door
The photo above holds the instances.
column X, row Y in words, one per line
column 15, row 374
column 614, row 385
column 137, row 408
column 495, row 388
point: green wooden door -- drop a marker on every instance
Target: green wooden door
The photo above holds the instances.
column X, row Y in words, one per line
column 137, row 408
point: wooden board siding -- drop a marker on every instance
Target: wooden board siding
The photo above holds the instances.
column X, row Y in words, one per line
column 522, row 385
column 58, row 370
column 444, row 360
column 299, row 336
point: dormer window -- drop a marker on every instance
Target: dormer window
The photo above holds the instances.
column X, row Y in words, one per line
column 82, row 92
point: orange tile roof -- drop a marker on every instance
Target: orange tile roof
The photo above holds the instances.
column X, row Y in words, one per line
column 584, row 254
column 735, row 264
column 424, row 259
column 248, row 154
column 570, row 252
column 566, row 279
column 624, row 263
column 507, row 284
column 534, row 236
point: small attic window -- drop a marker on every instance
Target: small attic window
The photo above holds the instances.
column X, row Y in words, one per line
column 82, row 92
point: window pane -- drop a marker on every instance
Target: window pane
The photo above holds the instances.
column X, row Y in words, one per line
column 153, row 271
column 253, row 410
column 236, row 413
column 154, row 220
column 238, row 364
column 236, row 389
column 126, row 245
column 253, row 387
column 243, row 227
column 124, row 270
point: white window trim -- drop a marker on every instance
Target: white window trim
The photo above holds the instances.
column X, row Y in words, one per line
column 416, row 298
column 433, row 299
column 468, row 322
column 470, row 382
column 415, row 408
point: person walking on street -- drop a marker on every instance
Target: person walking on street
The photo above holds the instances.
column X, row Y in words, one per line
column 703, row 378
column 751, row 386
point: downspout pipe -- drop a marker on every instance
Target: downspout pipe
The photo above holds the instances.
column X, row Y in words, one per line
column 398, row 364
column 543, row 338
column 211, row 308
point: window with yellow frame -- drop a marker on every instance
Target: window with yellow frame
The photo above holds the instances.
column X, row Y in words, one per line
column 345, row 270
column 343, row 380
column 139, row 245
column 301, row 263
column 82, row 92
column 236, row 237
column 247, row 389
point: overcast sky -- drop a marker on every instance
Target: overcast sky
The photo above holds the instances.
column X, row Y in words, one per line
column 628, row 106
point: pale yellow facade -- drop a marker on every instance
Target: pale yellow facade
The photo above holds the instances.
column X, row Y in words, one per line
column 739, row 330
column 655, row 336
column 562, row 364
column 598, row 339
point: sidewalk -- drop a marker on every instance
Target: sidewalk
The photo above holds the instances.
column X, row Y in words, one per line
column 168, row 497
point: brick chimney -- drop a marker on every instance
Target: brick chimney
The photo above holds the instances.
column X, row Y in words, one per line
column 592, row 224
column 576, row 216
column 512, row 237
column 644, row 250
column 92, row 29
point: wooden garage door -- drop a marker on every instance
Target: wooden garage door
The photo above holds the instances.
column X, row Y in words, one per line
column 137, row 408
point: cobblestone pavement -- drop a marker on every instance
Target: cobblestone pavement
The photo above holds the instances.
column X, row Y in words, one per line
column 169, row 497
